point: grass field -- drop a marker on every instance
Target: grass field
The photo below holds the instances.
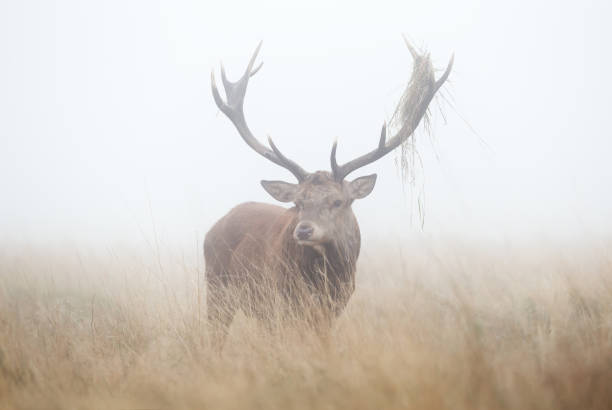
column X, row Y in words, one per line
column 433, row 324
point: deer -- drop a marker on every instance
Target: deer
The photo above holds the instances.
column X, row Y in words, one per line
column 303, row 256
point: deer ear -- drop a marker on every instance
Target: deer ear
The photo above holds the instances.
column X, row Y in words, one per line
column 362, row 186
column 281, row 191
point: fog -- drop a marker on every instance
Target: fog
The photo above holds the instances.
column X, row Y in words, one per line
column 108, row 130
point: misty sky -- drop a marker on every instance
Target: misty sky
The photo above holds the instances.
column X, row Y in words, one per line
column 108, row 130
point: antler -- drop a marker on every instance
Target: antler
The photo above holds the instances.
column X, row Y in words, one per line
column 411, row 109
column 233, row 109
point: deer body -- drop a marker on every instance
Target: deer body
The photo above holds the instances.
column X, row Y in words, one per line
column 253, row 256
column 251, row 252
column 260, row 257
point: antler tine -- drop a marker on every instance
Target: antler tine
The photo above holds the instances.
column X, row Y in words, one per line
column 249, row 70
column 289, row 164
column 334, row 163
column 332, row 159
column 256, row 69
column 218, row 100
column 226, row 83
column 233, row 108
column 411, row 48
column 413, row 106
column 383, row 136
column 446, row 73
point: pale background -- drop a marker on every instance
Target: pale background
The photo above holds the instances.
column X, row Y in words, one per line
column 108, row 130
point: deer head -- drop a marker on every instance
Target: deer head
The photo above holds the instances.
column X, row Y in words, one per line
column 323, row 199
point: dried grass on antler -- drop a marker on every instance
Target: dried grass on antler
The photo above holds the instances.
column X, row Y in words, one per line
column 403, row 119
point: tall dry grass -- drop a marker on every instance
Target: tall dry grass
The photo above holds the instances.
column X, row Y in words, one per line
column 433, row 324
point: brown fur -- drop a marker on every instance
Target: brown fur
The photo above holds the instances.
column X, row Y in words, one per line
column 254, row 262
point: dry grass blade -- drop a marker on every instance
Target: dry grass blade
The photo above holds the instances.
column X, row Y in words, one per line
column 463, row 328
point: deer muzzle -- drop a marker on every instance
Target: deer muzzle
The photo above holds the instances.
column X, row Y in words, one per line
column 308, row 233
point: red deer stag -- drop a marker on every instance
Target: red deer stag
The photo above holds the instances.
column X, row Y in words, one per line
column 304, row 256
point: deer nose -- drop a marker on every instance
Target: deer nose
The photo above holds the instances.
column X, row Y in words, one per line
column 304, row 231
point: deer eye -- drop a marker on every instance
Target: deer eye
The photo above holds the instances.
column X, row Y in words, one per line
column 337, row 203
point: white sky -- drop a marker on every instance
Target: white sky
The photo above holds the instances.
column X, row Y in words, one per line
column 108, row 130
